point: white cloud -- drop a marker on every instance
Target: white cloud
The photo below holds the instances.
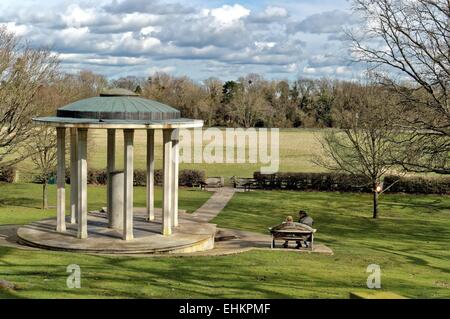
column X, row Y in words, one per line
column 264, row 45
column 19, row 29
column 275, row 12
column 149, row 30
column 76, row 17
column 141, row 36
column 226, row 15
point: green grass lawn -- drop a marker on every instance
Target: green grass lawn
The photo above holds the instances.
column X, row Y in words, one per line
column 409, row 242
column 297, row 149
column 21, row 203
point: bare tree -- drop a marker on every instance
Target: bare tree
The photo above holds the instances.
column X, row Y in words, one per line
column 412, row 38
column 364, row 145
column 248, row 103
column 213, row 97
column 23, row 70
column 42, row 146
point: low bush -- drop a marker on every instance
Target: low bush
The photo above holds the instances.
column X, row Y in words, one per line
column 418, row 185
column 312, row 181
column 187, row 177
column 191, row 177
column 350, row 183
column 140, row 177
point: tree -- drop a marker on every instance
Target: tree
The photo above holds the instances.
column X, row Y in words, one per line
column 412, row 38
column 212, row 99
column 129, row 82
column 42, row 146
column 23, row 71
column 365, row 143
column 248, row 104
column 88, row 84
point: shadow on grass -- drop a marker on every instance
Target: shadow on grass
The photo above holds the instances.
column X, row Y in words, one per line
column 143, row 277
column 20, row 202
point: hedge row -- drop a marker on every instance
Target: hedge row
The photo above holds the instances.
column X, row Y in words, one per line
column 186, row 177
column 418, row 185
column 350, row 183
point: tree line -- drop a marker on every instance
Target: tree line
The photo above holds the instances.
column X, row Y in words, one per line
column 249, row 101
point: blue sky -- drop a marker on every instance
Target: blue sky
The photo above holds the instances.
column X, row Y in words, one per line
column 226, row 39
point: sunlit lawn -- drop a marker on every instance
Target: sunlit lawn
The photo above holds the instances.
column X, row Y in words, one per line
column 409, row 242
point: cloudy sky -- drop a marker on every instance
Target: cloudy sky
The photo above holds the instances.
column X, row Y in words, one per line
column 216, row 38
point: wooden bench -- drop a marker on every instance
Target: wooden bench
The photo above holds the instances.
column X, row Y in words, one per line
column 245, row 183
column 212, row 182
column 299, row 233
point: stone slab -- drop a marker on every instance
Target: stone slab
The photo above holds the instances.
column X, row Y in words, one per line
column 189, row 237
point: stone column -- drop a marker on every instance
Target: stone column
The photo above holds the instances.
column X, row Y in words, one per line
column 150, row 174
column 128, row 185
column 110, row 167
column 175, row 160
column 73, row 176
column 61, row 180
column 168, row 182
column 82, row 183
column 116, row 212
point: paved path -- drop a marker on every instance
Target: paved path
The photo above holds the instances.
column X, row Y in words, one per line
column 214, row 205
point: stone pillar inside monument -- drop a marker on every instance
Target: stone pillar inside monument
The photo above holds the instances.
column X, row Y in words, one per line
column 82, row 183
column 61, row 191
column 110, row 167
column 128, row 147
column 168, row 182
column 73, row 176
column 115, row 214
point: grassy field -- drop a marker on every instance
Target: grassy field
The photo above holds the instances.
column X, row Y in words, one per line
column 297, row 149
column 409, row 242
column 21, row 203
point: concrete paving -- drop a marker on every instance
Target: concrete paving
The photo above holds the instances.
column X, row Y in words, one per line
column 214, row 205
column 189, row 237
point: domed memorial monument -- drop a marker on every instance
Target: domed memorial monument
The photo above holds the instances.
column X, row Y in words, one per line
column 118, row 109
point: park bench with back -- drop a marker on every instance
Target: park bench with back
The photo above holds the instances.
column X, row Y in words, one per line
column 212, row 182
column 293, row 232
column 245, row 183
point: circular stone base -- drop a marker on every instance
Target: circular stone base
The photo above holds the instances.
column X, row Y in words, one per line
column 189, row 236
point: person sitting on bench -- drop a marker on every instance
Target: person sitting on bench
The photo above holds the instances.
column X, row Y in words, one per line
column 304, row 218
column 289, row 222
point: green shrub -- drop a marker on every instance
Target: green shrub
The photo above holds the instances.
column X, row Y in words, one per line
column 191, row 177
column 350, row 183
column 313, row 181
column 186, row 177
column 418, row 185
column 96, row 176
